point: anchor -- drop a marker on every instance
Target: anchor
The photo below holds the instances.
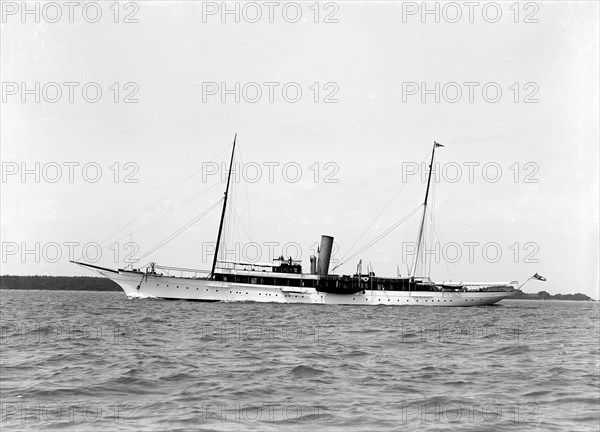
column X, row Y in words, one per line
column 145, row 275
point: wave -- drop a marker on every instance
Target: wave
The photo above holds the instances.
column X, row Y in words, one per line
column 306, row 371
column 138, row 296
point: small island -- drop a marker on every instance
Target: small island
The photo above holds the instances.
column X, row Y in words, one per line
column 544, row 295
column 91, row 283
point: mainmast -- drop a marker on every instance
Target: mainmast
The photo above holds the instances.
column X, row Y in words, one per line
column 412, row 273
column 212, row 272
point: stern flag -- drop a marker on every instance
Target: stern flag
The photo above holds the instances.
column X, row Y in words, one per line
column 438, row 145
column 538, row 277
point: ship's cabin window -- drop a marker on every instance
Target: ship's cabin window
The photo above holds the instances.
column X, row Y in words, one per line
column 241, row 279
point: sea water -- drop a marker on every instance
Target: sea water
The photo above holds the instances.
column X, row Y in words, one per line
column 99, row 361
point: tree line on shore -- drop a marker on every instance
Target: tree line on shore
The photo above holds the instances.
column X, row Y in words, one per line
column 543, row 295
column 67, row 283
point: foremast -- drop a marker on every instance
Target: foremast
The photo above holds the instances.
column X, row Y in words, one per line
column 421, row 228
column 214, row 264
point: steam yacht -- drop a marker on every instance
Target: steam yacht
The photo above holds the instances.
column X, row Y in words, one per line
column 283, row 281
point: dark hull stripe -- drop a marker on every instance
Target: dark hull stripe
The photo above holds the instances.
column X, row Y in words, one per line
column 193, row 300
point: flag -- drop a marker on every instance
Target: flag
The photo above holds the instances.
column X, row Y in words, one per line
column 538, row 277
column 438, row 145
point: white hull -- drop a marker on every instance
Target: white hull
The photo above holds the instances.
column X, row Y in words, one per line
column 176, row 288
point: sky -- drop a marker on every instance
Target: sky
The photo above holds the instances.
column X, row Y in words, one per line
column 117, row 124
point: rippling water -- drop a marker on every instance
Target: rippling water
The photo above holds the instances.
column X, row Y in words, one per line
column 97, row 361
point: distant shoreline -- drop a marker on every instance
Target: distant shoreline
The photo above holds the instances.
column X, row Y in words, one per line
column 58, row 283
column 92, row 283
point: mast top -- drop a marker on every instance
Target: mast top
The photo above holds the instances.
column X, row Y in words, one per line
column 435, row 145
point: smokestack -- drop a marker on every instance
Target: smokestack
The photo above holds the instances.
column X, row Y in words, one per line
column 325, row 254
column 313, row 265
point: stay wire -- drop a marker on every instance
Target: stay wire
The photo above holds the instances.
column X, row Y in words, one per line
column 379, row 237
column 378, row 215
column 161, row 199
column 180, row 230
column 152, row 221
